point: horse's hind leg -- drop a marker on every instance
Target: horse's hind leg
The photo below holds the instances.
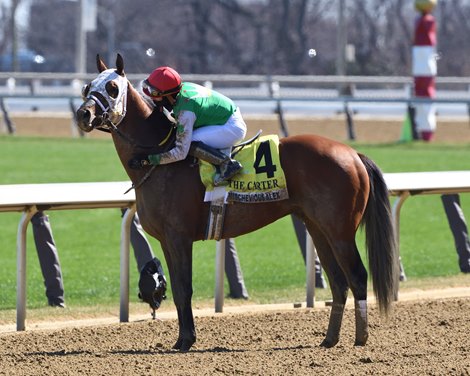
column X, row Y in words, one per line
column 355, row 273
column 338, row 286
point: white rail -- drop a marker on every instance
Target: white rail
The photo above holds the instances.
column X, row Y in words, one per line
column 29, row 198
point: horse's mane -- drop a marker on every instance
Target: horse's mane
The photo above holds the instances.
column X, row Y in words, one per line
column 156, row 133
column 144, row 96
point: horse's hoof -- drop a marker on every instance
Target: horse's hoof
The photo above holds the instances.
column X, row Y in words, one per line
column 183, row 345
column 177, row 345
column 360, row 342
column 328, row 343
column 361, row 337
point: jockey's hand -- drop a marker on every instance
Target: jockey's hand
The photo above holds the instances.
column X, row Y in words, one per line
column 139, row 161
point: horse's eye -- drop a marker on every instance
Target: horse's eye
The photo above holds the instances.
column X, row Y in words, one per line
column 85, row 90
column 112, row 89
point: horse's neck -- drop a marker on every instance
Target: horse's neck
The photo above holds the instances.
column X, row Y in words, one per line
column 128, row 137
column 137, row 110
column 142, row 131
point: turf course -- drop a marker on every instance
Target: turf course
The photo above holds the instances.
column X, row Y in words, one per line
column 88, row 240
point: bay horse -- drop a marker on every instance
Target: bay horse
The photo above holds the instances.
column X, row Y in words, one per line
column 332, row 188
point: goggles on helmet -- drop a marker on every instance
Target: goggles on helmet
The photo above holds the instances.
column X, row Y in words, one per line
column 153, row 92
column 162, row 81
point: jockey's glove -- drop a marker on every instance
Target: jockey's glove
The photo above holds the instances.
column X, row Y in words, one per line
column 142, row 160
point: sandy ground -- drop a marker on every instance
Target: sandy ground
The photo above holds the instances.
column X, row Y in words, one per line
column 421, row 337
column 427, row 334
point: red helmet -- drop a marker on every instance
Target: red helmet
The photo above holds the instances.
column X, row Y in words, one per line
column 162, row 81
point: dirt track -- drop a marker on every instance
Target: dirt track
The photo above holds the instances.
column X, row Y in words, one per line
column 425, row 337
column 422, row 338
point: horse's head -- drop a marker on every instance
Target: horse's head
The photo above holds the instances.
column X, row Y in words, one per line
column 104, row 98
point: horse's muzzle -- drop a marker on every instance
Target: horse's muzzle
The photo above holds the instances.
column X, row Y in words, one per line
column 84, row 115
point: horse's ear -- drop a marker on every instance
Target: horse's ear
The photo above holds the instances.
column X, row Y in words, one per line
column 100, row 64
column 120, row 65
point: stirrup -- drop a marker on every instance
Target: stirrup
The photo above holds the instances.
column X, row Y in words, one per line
column 233, row 167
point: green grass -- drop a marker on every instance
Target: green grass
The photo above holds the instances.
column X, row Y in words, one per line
column 88, row 240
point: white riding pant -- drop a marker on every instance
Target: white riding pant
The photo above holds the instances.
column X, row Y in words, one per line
column 224, row 135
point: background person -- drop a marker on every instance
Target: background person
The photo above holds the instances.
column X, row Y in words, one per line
column 301, row 233
column 458, row 226
column 49, row 257
column 233, row 270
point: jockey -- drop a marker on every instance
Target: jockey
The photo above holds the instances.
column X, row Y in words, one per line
column 206, row 121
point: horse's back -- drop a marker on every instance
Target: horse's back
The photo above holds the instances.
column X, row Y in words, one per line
column 324, row 174
column 318, row 156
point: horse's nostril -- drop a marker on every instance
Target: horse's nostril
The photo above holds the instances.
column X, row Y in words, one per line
column 83, row 114
column 83, row 119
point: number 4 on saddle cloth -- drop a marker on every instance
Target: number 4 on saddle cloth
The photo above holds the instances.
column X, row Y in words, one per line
column 261, row 180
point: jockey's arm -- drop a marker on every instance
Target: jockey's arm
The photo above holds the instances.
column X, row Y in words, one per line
column 184, row 135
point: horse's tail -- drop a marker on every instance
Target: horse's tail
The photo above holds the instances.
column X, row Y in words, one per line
column 381, row 246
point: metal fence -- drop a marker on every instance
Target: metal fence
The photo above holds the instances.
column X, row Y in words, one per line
column 279, row 91
column 247, row 86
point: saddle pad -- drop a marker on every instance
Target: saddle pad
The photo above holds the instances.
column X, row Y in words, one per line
column 261, row 180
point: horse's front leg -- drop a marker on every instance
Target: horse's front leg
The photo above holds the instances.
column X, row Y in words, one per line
column 187, row 331
column 178, row 253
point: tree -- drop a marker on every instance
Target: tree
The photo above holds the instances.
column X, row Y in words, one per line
column 453, row 43
column 248, row 37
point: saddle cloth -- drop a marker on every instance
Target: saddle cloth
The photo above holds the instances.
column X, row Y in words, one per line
column 261, row 180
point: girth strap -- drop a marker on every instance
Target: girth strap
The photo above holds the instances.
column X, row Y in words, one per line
column 215, row 223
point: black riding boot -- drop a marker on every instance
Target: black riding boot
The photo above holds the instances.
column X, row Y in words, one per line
column 228, row 167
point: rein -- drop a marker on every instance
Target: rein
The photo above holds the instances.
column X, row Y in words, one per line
column 142, row 181
column 112, row 128
column 113, row 112
column 108, row 126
